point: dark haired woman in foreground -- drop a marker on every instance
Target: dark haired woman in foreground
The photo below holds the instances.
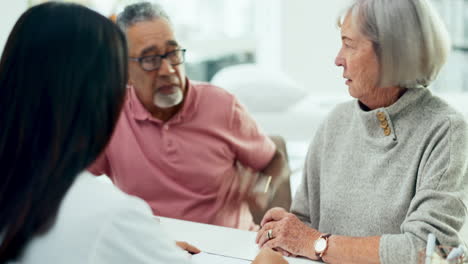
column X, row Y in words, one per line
column 62, row 82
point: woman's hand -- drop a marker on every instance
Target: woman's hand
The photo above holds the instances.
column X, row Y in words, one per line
column 288, row 234
column 268, row 256
column 187, row 247
column 277, row 213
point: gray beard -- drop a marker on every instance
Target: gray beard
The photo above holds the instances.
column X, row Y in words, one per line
column 168, row 100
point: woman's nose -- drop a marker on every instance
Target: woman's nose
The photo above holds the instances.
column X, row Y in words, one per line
column 339, row 61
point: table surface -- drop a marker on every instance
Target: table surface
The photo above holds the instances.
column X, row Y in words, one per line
column 219, row 240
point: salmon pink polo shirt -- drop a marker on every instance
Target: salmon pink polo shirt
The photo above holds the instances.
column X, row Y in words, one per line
column 185, row 168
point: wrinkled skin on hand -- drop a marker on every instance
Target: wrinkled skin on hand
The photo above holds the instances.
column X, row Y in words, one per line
column 291, row 237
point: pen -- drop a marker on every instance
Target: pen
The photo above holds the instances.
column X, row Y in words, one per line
column 431, row 241
column 267, row 185
column 456, row 253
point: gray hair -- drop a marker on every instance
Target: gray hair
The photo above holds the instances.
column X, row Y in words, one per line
column 410, row 40
column 139, row 12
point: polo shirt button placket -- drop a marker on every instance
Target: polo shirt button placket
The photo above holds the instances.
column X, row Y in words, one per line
column 169, row 146
column 166, row 141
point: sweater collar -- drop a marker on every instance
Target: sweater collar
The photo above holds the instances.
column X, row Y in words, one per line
column 381, row 122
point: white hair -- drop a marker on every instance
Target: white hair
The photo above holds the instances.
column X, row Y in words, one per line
column 410, row 40
column 140, row 12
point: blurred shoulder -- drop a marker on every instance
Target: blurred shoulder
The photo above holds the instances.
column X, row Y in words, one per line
column 212, row 93
column 98, row 197
column 438, row 110
column 341, row 111
column 90, row 206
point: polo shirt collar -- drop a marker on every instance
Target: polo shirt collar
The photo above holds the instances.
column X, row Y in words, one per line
column 140, row 113
column 136, row 108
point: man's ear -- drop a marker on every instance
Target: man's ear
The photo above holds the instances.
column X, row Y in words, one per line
column 130, row 81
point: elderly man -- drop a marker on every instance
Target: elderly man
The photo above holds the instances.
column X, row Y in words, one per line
column 189, row 149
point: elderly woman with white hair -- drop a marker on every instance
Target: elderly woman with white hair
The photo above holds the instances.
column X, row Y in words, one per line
column 390, row 167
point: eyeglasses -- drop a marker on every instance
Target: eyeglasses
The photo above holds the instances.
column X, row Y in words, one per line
column 153, row 62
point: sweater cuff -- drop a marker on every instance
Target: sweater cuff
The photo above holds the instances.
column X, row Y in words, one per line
column 396, row 249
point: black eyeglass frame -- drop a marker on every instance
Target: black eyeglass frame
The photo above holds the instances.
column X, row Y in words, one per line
column 163, row 56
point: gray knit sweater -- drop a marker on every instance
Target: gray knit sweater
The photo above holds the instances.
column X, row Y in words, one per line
column 360, row 182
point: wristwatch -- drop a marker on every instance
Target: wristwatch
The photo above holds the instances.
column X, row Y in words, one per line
column 321, row 245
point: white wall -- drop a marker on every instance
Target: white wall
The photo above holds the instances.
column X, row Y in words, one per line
column 268, row 23
column 10, row 11
column 301, row 38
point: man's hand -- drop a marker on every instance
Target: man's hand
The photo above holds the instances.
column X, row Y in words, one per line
column 252, row 187
column 187, row 247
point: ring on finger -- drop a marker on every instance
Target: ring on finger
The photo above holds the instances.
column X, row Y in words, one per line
column 269, row 234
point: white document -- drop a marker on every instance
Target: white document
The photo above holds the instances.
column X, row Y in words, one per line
column 218, row 240
column 224, row 243
column 207, row 258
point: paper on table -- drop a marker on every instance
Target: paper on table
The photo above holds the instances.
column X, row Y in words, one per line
column 218, row 240
column 207, row 258
column 213, row 239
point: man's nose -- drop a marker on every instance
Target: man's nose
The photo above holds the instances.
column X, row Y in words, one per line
column 166, row 68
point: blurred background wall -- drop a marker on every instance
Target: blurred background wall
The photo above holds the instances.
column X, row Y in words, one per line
column 9, row 13
column 297, row 37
